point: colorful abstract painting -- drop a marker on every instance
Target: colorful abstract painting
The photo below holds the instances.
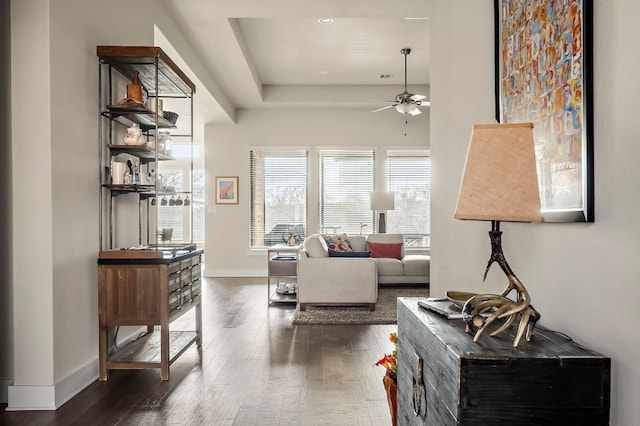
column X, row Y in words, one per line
column 543, row 77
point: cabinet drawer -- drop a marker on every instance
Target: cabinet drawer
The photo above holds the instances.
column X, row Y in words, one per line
column 175, row 300
column 174, row 267
column 185, row 264
column 185, row 277
column 195, row 288
column 195, row 272
column 174, row 282
column 186, row 294
column 195, row 260
column 283, row 267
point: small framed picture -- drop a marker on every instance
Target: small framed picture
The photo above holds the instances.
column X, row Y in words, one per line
column 226, row 189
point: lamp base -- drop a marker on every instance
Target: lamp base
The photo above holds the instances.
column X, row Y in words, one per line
column 500, row 306
column 382, row 223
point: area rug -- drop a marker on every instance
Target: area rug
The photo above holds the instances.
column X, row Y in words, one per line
column 385, row 313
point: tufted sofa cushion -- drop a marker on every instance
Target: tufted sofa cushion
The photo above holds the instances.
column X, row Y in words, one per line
column 415, row 265
column 389, row 267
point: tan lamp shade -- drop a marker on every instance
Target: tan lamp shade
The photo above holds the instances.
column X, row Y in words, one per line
column 500, row 180
column 382, row 200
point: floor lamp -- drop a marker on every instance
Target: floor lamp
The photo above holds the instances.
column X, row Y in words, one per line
column 381, row 201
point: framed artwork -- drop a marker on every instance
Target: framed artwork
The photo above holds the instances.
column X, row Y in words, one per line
column 544, row 76
column 226, row 189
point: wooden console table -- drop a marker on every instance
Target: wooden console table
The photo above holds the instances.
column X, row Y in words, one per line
column 148, row 287
column 444, row 378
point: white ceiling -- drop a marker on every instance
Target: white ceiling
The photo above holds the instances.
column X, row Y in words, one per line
column 275, row 53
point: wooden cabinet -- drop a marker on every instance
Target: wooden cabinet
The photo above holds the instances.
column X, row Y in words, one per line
column 444, row 378
column 148, row 288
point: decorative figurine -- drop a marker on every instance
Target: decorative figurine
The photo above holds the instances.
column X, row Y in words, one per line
column 134, row 135
column 134, row 92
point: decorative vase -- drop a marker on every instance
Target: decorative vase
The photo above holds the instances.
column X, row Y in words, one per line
column 392, row 389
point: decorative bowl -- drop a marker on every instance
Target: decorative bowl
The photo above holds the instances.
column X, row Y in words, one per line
column 171, row 116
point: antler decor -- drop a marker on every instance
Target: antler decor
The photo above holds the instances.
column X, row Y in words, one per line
column 500, row 306
column 500, row 184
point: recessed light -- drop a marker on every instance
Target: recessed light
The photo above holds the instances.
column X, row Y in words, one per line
column 417, row 18
column 323, row 73
column 326, row 20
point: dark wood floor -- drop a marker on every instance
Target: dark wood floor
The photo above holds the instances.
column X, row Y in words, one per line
column 255, row 368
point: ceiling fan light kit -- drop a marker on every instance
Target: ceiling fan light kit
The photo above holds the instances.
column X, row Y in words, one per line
column 407, row 103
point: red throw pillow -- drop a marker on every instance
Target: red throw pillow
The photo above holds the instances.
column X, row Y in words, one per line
column 393, row 250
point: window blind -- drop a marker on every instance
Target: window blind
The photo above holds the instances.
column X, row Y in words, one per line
column 278, row 195
column 409, row 177
column 346, row 177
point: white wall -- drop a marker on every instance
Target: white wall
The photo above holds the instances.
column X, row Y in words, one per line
column 55, row 186
column 6, row 315
column 582, row 277
column 227, row 154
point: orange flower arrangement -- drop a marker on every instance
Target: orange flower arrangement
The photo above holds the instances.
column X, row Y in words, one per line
column 390, row 361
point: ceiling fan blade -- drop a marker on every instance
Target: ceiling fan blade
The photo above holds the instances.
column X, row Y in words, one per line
column 380, row 109
column 415, row 111
column 424, row 103
column 417, row 97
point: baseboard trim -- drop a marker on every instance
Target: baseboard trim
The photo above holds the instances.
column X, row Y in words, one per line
column 31, row 398
column 235, row 273
column 4, row 385
column 24, row 398
column 44, row 397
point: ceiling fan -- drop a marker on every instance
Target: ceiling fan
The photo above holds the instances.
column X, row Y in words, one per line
column 407, row 103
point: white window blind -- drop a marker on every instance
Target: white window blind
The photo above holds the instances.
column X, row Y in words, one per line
column 346, row 177
column 409, row 177
column 278, row 195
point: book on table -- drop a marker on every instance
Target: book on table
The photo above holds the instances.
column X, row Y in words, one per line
column 446, row 308
column 284, row 257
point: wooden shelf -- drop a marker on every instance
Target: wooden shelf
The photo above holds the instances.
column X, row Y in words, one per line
column 145, row 352
column 141, row 151
column 140, row 115
column 127, row 59
column 282, row 298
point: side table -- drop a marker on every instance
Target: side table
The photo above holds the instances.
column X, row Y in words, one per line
column 282, row 261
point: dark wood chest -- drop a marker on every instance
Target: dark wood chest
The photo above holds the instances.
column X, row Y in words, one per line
column 548, row 381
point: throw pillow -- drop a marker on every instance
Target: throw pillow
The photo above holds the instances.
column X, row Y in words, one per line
column 392, row 250
column 339, row 242
column 335, row 253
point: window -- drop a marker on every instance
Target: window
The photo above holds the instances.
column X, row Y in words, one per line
column 409, row 177
column 171, row 211
column 278, row 195
column 346, row 177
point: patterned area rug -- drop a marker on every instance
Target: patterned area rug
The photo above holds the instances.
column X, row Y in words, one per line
column 385, row 313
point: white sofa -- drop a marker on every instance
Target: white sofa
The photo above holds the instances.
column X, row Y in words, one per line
column 406, row 269
column 325, row 280
column 343, row 281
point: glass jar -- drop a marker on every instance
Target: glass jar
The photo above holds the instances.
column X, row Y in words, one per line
column 165, row 143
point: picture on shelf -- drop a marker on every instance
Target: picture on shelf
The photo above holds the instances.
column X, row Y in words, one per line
column 226, row 189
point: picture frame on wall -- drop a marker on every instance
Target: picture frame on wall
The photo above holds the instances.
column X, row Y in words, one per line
column 226, row 189
column 543, row 52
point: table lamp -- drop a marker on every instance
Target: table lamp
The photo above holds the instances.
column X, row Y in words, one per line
column 500, row 183
column 381, row 201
